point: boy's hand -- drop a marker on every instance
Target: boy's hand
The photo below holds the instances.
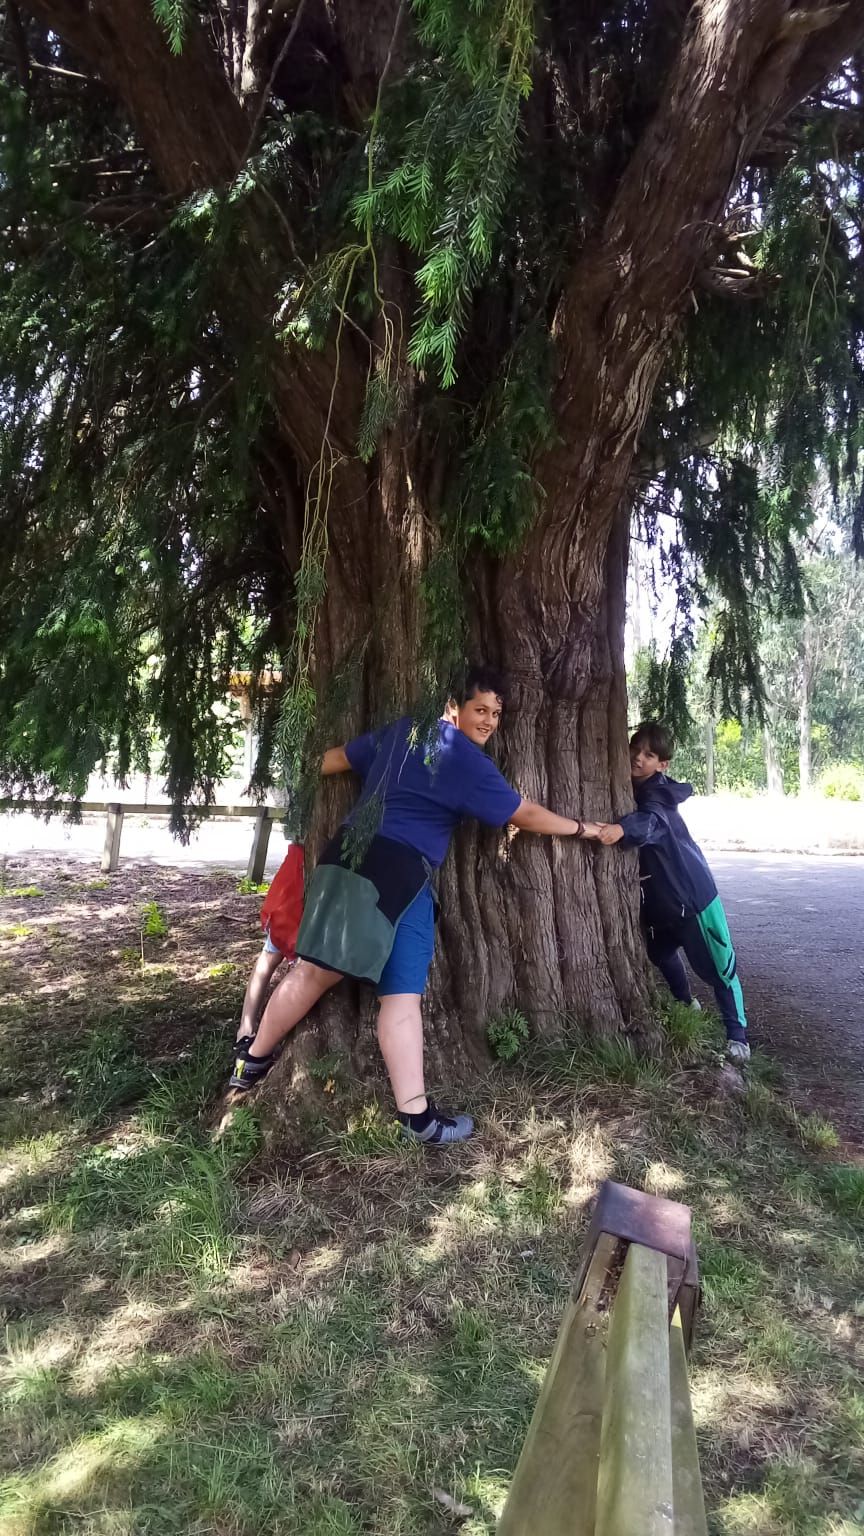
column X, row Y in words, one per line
column 590, row 829
column 610, row 832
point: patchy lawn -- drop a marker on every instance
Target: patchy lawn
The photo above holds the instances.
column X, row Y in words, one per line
column 200, row 1341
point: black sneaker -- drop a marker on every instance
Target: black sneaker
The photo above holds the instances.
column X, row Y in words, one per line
column 249, row 1070
column 241, row 1046
column 440, row 1128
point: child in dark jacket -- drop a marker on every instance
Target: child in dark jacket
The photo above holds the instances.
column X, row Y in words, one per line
column 680, row 905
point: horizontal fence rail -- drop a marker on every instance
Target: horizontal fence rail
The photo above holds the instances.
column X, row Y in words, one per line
column 116, row 811
column 611, row 1448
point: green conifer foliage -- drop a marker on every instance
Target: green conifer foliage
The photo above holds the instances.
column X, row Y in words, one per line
column 157, row 532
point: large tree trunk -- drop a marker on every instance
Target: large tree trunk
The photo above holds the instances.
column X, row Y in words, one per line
column 547, row 926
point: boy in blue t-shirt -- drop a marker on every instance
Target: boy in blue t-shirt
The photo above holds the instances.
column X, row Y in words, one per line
column 378, row 922
column 681, row 909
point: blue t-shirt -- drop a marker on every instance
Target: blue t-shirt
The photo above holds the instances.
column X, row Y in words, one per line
column 428, row 788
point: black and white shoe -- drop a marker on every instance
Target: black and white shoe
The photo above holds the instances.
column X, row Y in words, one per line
column 249, row 1070
column 435, row 1127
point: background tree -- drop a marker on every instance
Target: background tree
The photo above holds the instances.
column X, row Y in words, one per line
column 812, row 671
column 375, row 324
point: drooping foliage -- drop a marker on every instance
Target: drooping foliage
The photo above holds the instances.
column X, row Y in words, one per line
column 159, row 532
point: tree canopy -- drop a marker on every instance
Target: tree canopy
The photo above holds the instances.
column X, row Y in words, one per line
column 244, row 243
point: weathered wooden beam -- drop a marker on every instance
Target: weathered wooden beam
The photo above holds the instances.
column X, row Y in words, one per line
column 688, row 1498
column 634, row 1484
column 555, row 1483
column 258, row 851
column 113, row 832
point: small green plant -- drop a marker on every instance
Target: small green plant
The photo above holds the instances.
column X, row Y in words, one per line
column 761, row 1104
column 540, row 1194
column 154, row 924
column 844, row 1187
column 686, row 1027
column 224, row 968
column 507, row 1033
column 329, row 1071
column 369, row 1134
column 96, row 885
column 15, row 931
column 242, row 1140
column 247, row 887
column 23, row 892
column 818, row 1134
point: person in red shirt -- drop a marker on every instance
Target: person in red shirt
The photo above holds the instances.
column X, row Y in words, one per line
column 280, row 919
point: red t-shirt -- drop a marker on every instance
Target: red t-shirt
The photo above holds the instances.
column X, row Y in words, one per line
column 283, row 904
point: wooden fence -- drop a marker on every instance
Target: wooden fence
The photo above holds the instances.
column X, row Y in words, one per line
column 116, row 811
column 611, row 1448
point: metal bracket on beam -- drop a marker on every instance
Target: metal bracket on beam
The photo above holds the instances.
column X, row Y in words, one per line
column 623, row 1216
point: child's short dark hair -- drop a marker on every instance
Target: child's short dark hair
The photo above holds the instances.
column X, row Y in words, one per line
column 657, row 737
column 482, row 679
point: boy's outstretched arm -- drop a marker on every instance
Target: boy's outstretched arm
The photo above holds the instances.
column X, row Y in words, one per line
column 636, row 830
column 335, row 760
column 530, row 817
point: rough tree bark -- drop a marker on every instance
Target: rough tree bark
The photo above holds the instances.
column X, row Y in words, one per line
column 773, row 766
column 547, row 926
column 709, row 756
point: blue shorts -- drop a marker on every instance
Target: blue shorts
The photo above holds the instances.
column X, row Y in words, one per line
column 411, row 956
column 269, row 947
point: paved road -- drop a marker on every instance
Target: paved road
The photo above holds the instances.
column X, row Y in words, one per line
column 798, row 927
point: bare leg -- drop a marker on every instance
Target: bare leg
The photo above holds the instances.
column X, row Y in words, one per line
column 400, row 1036
column 290, row 1002
column 256, row 990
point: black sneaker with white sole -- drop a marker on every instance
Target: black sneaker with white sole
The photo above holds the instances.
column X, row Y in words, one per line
column 436, row 1127
column 249, row 1070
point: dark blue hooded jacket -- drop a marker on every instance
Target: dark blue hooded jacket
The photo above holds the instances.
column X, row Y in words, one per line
column 675, row 878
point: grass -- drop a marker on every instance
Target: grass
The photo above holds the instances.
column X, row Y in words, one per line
column 103, row 1071
column 318, row 1351
column 203, row 1340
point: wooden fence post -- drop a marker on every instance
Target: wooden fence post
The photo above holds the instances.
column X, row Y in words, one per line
column 113, row 830
column 260, row 842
